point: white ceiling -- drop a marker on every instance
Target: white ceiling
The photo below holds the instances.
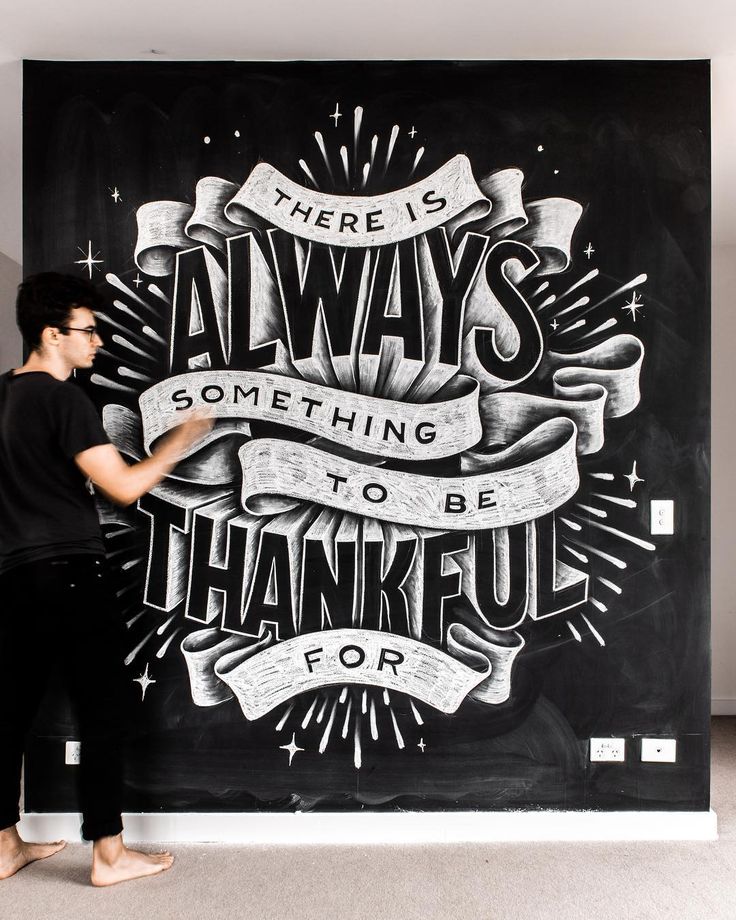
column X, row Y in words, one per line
column 378, row 29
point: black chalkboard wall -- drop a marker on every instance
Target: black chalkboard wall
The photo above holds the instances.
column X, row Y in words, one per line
column 453, row 321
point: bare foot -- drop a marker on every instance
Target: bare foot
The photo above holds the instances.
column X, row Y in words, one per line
column 113, row 862
column 16, row 853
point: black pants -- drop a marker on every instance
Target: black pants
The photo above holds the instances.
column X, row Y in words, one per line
column 62, row 613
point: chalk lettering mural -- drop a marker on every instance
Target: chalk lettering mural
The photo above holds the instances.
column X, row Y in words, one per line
column 391, row 326
column 418, row 477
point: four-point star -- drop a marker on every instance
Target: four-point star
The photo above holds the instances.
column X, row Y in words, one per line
column 138, row 281
column 633, row 478
column 337, row 113
column 633, row 305
column 412, row 132
column 421, row 745
column 589, row 250
column 116, row 197
column 292, row 747
column 145, row 681
column 554, row 324
column 90, row 259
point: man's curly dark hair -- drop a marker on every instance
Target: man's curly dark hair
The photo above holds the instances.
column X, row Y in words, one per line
column 47, row 299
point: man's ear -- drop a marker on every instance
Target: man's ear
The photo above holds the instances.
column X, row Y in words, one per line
column 50, row 337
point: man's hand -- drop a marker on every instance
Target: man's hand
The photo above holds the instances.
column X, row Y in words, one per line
column 125, row 484
column 196, row 425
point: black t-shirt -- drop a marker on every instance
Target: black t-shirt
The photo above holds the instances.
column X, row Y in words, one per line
column 46, row 508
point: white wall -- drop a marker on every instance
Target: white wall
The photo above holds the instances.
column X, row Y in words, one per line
column 724, row 406
column 10, row 161
column 724, row 481
column 10, row 341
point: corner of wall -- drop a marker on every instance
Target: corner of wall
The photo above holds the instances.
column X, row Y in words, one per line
column 11, row 347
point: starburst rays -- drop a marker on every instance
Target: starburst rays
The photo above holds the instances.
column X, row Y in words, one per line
column 585, row 319
column 583, row 519
column 346, row 716
column 360, row 163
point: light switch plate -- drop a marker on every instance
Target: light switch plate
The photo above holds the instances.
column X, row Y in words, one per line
column 659, row 750
column 662, row 516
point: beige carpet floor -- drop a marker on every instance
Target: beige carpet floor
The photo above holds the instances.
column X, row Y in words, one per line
column 584, row 881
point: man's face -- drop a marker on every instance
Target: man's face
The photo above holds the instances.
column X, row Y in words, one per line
column 77, row 347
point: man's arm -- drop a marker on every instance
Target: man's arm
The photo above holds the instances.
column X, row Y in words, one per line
column 124, row 484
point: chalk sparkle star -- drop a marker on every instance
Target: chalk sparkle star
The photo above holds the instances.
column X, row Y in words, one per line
column 421, row 745
column 337, row 113
column 554, row 324
column 633, row 305
column 138, row 281
column 589, row 250
column 145, row 680
column 413, row 132
column 632, row 477
column 115, row 195
column 292, row 747
column 90, row 259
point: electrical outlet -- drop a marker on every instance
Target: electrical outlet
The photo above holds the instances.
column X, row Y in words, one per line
column 662, row 516
column 72, row 752
column 659, row 750
column 609, row 750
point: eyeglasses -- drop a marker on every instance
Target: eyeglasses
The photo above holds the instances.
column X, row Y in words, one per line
column 88, row 330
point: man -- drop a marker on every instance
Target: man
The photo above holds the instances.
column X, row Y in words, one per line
column 56, row 605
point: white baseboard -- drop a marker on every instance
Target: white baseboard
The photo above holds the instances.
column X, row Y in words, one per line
column 723, row 707
column 365, row 828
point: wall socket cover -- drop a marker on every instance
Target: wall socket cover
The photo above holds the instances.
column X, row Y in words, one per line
column 607, row 750
column 659, row 750
column 72, row 752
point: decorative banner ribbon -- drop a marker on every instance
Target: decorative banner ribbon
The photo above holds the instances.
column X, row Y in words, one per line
column 359, row 220
column 614, row 364
column 208, row 223
column 552, row 222
column 480, row 643
column 546, row 225
column 161, row 234
column 533, row 477
column 449, row 197
column 383, row 427
column 262, row 676
column 588, row 387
